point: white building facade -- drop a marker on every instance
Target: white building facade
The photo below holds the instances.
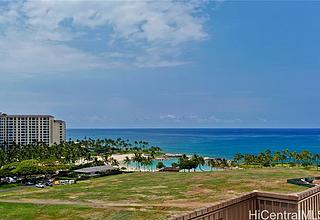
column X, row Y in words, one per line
column 28, row 129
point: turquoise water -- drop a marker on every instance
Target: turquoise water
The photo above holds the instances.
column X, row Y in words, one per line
column 213, row 142
column 155, row 162
column 168, row 163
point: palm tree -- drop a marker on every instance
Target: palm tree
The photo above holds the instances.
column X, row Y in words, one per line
column 249, row 159
column 201, row 162
column 138, row 159
column 293, row 156
column 306, row 157
column 114, row 162
column 160, row 165
column 127, row 161
column 316, row 157
column 268, row 155
column 297, row 157
column 277, row 156
column 284, row 156
column 107, row 158
column 149, row 161
column 212, row 163
column 237, row 158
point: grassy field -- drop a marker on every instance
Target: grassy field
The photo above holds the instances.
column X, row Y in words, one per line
column 32, row 211
column 143, row 195
column 9, row 186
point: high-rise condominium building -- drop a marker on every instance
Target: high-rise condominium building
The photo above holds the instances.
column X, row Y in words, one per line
column 28, row 129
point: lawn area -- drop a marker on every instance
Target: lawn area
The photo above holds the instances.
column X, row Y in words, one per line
column 144, row 195
column 9, row 186
column 47, row 212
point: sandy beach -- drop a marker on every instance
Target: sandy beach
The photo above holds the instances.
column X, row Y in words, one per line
column 121, row 157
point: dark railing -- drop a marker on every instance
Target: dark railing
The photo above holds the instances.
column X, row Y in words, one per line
column 248, row 207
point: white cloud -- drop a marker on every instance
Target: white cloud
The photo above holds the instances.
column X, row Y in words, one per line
column 200, row 119
column 40, row 35
column 169, row 116
column 35, row 57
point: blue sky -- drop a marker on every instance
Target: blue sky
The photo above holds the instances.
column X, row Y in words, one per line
column 162, row 63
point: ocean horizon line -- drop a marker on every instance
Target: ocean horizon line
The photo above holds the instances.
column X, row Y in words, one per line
column 220, row 142
column 123, row 128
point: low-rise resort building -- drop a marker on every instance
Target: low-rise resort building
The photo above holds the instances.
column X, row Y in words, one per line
column 96, row 171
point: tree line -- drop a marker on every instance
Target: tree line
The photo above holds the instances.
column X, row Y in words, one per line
column 196, row 161
column 67, row 152
column 140, row 160
column 268, row 158
column 112, row 146
column 70, row 151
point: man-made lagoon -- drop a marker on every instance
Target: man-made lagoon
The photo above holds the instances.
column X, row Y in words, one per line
column 168, row 163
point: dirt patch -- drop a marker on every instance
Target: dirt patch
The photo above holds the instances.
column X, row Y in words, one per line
column 155, row 197
column 198, row 190
column 152, row 187
column 79, row 194
column 186, row 204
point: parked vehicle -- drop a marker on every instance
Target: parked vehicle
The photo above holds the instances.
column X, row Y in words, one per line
column 11, row 180
column 29, row 184
column 49, row 184
column 40, row 185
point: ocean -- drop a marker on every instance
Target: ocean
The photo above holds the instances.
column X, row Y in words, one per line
column 212, row 142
